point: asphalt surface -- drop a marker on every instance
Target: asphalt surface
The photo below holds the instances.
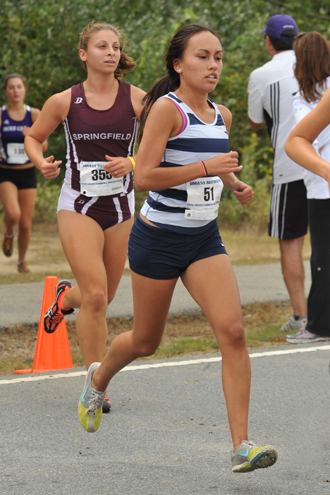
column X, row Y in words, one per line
column 21, row 303
column 167, row 433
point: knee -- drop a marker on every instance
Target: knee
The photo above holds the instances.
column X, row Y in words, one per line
column 234, row 335
column 144, row 348
column 13, row 216
column 95, row 299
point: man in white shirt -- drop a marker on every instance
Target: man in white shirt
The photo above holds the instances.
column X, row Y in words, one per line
column 270, row 93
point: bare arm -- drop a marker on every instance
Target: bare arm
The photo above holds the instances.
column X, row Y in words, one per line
column 52, row 114
column 242, row 191
column 164, row 121
column 35, row 112
column 299, row 145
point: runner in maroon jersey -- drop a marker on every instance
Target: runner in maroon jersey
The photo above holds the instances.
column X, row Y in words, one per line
column 96, row 204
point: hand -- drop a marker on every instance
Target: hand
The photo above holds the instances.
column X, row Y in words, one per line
column 223, row 164
column 243, row 192
column 118, row 166
column 49, row 168
column 25, row 130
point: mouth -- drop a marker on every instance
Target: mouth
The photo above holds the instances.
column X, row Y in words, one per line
column 213, row 77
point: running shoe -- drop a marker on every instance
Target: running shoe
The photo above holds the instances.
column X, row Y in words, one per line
column 90, row 403
column 305, row 337
column 250, row 457
column 54, row 315
column 106, row 406
column 294, row 324
column 22, row 267
column 8, row 245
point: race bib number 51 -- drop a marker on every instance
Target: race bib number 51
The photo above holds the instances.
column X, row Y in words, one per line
column 203, row 198
column 95, row 181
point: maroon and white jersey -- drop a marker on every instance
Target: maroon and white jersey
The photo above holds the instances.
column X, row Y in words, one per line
column 91, row 134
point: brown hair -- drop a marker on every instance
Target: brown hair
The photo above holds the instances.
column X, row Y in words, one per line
column 171, row 81
column 313, row 64
column 126, row 63
column 11, row 76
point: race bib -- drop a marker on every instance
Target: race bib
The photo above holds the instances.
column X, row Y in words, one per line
column 95, row 181
column 16, row 154
column 203, row 198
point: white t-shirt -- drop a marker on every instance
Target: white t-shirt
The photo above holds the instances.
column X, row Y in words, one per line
column 270, row 93
column 317, row 187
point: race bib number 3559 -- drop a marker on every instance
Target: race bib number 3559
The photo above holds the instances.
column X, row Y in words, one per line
column 95, row 181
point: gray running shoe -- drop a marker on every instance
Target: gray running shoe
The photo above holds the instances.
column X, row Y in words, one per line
column 90, row 403
column 295, row 325
column 305, row 337
column 250, row 457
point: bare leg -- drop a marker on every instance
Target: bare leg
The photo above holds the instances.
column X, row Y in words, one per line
column 27, row 200
column 97, row 259
column 152, row 300
column 212, row 284
column 9, row 199
column 294, row 273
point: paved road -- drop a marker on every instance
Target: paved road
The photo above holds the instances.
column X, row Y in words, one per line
column 21, row 303
column 168, row 433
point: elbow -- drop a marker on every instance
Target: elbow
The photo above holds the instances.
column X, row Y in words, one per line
column 140, row 185
column 287, row 148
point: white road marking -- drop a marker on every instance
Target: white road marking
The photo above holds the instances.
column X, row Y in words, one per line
column 166, row 364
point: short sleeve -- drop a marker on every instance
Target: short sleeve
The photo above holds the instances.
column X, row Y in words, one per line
column 255, row 101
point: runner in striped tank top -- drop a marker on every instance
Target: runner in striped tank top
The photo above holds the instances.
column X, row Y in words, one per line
column 184, row 160
column 96, row 205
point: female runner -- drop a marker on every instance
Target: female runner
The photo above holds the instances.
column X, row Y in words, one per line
column 183, row 160
column 18, row 178
column 96, row 205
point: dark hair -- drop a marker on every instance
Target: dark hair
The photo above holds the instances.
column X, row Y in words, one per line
column 171, row 81
column 280, row 44
column 313, row 64
column 11, row 76
column 126, row 63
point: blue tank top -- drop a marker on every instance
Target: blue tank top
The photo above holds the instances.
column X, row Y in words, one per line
column 196, row 141
column 12, row 139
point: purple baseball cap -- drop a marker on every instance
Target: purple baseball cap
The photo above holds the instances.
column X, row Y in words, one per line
column 279, row 23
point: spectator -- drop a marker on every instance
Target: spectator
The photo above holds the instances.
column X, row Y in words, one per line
column 270, row 93
column 312, row 71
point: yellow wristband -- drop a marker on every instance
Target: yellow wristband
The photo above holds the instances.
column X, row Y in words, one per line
column 133, row 162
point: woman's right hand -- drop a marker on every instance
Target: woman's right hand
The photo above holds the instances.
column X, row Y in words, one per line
column 49, row 168
column 223, row 164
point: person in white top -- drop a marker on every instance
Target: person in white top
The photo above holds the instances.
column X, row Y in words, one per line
column 270, row 93
column 312, row 71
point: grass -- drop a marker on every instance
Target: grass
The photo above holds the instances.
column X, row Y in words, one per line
column 184, row 335
column 45, row 255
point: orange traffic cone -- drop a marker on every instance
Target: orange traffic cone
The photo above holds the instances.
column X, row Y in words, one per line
column 52, row 349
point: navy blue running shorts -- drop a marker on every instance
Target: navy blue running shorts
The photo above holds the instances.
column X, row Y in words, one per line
column 163, row 254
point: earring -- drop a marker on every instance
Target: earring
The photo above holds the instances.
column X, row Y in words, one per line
column 179, row 70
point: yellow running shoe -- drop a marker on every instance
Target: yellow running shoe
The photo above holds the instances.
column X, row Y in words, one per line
column 250, row 457
column 90, row 403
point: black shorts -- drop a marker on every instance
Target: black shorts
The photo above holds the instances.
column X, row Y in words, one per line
column 288, row 217
column 163, row 254
column 25, row 178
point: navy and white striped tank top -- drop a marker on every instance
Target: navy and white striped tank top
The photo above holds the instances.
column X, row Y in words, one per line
column 196, row 141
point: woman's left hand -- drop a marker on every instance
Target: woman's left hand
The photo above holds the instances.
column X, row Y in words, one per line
column 118, row 166
column 25, row 130
column 243, row 192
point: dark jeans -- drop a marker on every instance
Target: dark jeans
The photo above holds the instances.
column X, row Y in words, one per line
column 318, row 304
